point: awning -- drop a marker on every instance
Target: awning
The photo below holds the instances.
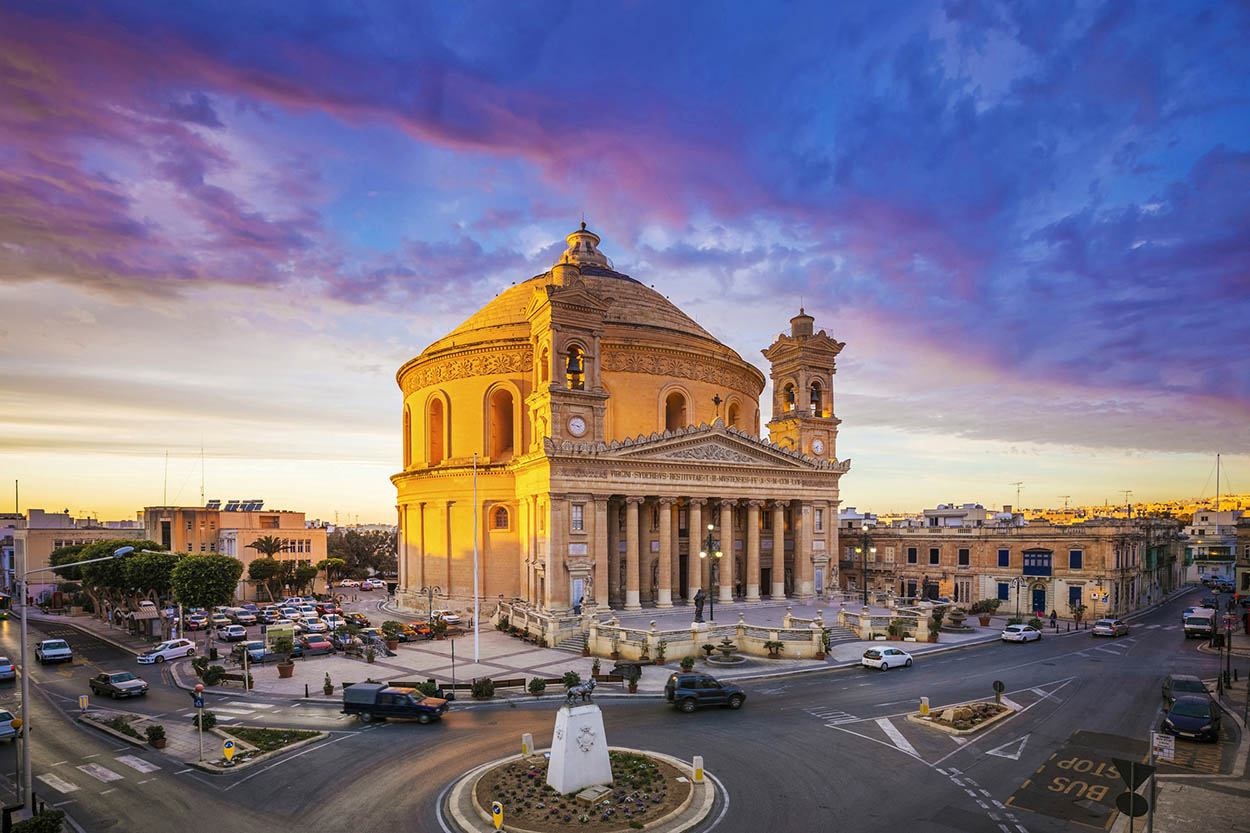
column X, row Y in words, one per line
column 144, row 613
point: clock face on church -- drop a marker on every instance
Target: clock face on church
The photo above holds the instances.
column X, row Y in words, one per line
column 577, row 426
column 818, row 446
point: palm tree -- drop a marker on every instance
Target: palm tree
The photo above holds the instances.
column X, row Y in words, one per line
column 267, row 546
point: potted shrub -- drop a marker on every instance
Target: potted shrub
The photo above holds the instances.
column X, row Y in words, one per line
column 594, row 668
column 774, row 647
column 156, row 735
column 503, row 624
column 284, row 646
column 1078, row 613
column 571, row 678
column 327, row 686
column 895, row 630
column 984, row 609
column 1035, row 623
column 687, row 663
column 370, row 655
column 439, row 626
column 632, row 675
column 537, row 686
column 483, row 689
column 661, row 648
column 390, row 634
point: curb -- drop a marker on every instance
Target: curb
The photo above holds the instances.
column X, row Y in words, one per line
column 219, row 770
column 83, row 629
column 915, row 717
column 94, row 724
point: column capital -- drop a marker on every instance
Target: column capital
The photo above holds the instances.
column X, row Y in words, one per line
column 634, row 500
column 557, row 496
column 781, row 504
column 754, row 504
column 601, row 499
column 697, row 501
column 666, row 501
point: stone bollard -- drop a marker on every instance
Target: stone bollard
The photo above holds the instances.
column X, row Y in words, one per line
column 527, row 744
column 697, row 764
column 924, row 706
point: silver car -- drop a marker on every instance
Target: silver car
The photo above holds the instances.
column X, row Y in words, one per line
column 7, row 671
column 1109, row 627
column 7, row 732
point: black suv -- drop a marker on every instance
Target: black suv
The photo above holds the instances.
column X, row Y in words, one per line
column 688, row 690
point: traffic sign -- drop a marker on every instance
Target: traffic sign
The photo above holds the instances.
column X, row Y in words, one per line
column 999, row 687
column 496, row 811
column 227, row 749
column 1164, row 746
column 199, row 702
column 1132, row 804
column 1135, row 770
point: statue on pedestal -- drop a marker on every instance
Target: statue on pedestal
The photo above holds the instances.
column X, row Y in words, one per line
column 579, row 748
column 699, row 598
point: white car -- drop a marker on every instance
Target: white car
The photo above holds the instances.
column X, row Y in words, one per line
column 1109, row 627
column 313, row 625
column 1020, row 633
column 349, row 582
column 885, row 658
column 173, row 649
column 333, row 620
column 7, row 732
column 292, row 613
column 308, row 611
column 53, row 650
column 448, row 616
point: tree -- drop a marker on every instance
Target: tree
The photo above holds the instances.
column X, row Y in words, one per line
column 304, row 574
column 151, row 572
column 364, row 552
column 263, row 570
column 106, row 579
column 68, row 555
column 267, row 545
column 206, row 580
column 333, row 568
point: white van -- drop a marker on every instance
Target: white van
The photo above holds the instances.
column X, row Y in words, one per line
column 1200, row 623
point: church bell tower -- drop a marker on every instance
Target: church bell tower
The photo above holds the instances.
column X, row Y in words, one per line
column 802, row 371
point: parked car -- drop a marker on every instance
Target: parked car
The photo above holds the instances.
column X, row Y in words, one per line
column 269, row 615
column 241, row 616
column 258, row 653
column 328, row 607
column 357, row 618
column 1020, row 633
column 333, row 620
column 1192, row 716
column 411, row 631
column 292, row 613
column 448, row 616
column 7, row 732
column 1109, row 627
column 312, row 625
column 219, row 620
column 1180, row 685
column 1209, row 602
column 232, row 633
column 173, row 649
column 7, row 671
column 371, row 701
column 315, row 644
column 349, row 582
column 1187, row 611
column 53, row 650
column 117, row 684
column 196, row 622
column 885, row 658
column 689, row 690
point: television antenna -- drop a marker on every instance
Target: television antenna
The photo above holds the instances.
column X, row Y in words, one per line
column 1017, row 484
column 1065, row 501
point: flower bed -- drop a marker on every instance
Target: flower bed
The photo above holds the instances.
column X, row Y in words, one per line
column 267, row 740
column 962, row 719
column 643, row 789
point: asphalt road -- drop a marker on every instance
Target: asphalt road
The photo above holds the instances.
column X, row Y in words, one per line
column 826, row 750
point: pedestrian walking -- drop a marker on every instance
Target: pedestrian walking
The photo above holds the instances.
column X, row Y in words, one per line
column 1054, row 620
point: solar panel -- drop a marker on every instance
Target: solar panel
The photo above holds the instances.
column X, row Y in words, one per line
column 213, row 504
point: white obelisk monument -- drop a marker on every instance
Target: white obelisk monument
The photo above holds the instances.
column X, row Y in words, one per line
column 579, row 750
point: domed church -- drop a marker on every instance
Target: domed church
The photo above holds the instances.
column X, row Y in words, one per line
column 599, row 432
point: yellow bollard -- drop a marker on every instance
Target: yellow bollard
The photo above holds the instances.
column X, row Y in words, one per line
column 698, row 769
column 527, row 744
column 924, row 706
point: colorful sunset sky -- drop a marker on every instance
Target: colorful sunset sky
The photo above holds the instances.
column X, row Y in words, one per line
column 225, row 226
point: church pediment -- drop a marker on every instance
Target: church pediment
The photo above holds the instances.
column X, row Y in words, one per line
column 703, row 443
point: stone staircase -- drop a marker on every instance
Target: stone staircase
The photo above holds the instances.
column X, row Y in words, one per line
column 839, row 634
column 575, row 644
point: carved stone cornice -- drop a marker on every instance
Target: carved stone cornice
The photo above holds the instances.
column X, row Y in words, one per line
column 489, row 361
column 658, row 361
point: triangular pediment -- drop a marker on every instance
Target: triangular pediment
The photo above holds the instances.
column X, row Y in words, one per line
column 710, row 444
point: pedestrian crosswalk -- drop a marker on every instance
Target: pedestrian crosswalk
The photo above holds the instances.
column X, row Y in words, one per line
column 99, row 772
column 831, row 716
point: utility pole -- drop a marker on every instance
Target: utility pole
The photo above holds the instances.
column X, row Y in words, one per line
column 1128, row 507
column 1065, row 501
column 1017, row 484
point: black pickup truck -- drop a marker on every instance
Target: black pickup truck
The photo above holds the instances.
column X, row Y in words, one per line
column 370, row 701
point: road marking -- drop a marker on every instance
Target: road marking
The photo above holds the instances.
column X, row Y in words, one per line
column 63, row 803
column 100, row 773
column 250, row 704
column 239, row 712
column 895, row 736
column 179, row 772
column 58, row 763
column 110, row 790
column 1011, row 704
column 1111, row 651
column 89, row 757
column 58, row 784
column 135, row 762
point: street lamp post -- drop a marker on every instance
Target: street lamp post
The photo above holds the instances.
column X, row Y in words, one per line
column 27, row 776
column 1018, row 583
column 863, row 551
column 429, row 597
column 711, row 549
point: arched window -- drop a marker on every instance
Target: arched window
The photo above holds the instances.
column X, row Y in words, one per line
column 787, row 396
column 407, row 436
column 675, row 412
column 434, row 421
column 500, row 444
column 575, row 369
column 815, row 400
column 735, row 413
column 500, row 518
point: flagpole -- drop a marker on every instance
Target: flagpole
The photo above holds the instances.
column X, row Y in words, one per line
column 476, row 626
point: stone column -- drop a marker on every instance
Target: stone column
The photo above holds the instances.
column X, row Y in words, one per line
column 804, row 586
column 557, row 578
column 779, row 549
column 727, row 547
column 616, row 593
column 664, row 596
column 675, row 548
column 632, row 598
column 599, row 548
column 695, row 532
column 402, row 512
column 753, row 550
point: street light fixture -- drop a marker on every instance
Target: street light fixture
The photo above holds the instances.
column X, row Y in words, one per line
column 863, row 551
column 711, row 549
column 429, row 593
column 1019, row 583
column 27, row 783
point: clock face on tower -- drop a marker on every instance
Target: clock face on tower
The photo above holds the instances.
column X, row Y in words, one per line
column 818, row 445
column 577, row 426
